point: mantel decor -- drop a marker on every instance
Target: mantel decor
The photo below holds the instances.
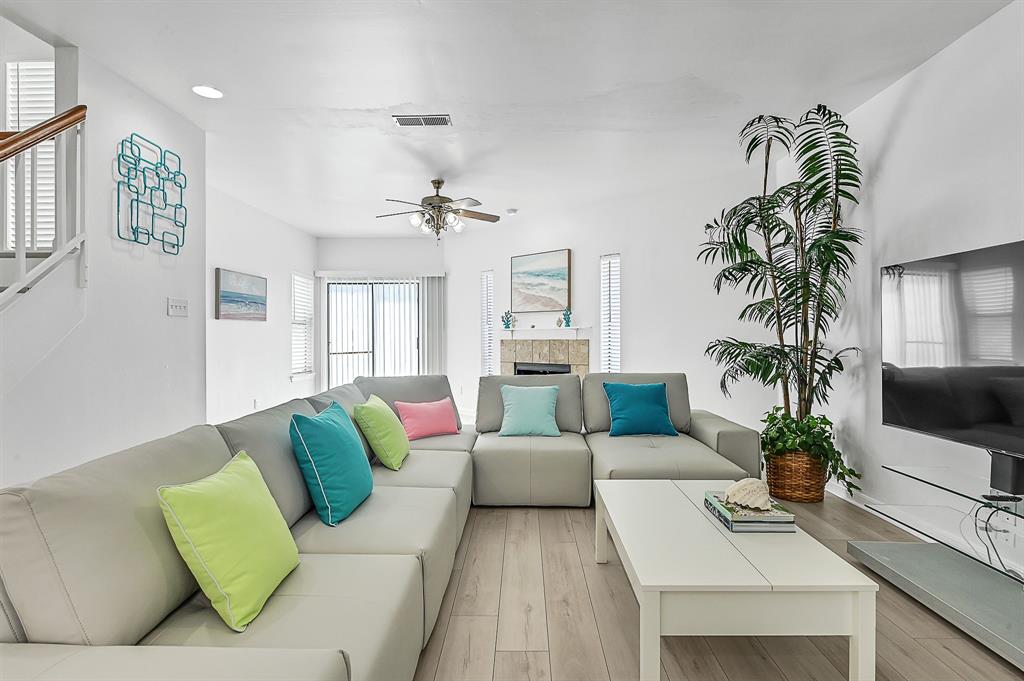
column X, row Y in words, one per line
column 150, row 194
column 790, row 251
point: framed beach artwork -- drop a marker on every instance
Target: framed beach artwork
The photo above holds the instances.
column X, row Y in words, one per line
column 240, row 296
column 542, row 282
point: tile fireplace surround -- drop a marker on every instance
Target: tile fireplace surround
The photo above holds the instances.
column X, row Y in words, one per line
column 574, row 352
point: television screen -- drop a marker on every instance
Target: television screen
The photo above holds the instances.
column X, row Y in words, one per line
column 953, row 347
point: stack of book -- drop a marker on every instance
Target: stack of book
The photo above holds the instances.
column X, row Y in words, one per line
column 741, row 519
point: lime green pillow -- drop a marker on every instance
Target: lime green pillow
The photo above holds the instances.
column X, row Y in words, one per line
column 231, row 534
column 384, row 432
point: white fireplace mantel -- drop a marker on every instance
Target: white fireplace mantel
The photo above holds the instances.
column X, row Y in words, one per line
column 547, row 333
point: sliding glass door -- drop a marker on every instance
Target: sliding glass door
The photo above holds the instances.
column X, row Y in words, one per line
column 373, row 329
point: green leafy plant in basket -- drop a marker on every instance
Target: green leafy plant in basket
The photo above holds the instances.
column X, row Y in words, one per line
column 789, row 250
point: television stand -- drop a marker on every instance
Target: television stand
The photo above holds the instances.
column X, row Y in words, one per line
column 973, row 575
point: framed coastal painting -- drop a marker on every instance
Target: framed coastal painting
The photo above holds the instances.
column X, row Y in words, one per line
column 542, row 282
column 240, row 296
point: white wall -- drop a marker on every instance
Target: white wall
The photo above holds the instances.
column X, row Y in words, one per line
column 87, row 372
column 670, row 311
column 943, row 154
column 248, row 364
column 412, row 256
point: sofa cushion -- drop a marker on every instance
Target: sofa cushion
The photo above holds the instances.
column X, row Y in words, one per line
column 332, row 461
column 383, row 431
column 369, row 606
column 595, row 402
column 231, row 534
column 85, row 554
column 528, row 470
column 462, row 442
column 428, row 419
column 1010, row 392
column 348, row 396
column 442, row 469
column 408, row 389
column 411, row 521
column 264, row 437
column 490, row 408
column 529, row 410
column 52, row 662
column 638, row 409
column 658, row 458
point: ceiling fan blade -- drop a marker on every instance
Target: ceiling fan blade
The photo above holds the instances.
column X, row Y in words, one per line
column 464, row 203
column 388, row 215
column 400, row 201
column 472, row 214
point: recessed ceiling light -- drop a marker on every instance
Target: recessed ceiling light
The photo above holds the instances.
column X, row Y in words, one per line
column 207, row 91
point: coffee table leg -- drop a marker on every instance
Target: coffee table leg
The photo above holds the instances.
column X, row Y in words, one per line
column 600, row 531
column 650, row 635
column 862, row 641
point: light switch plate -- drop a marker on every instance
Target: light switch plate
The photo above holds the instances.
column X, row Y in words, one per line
column 177, row 307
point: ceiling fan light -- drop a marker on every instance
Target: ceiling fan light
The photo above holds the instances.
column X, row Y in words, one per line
column 416, row 220
column 459, row 226
column 451, row 219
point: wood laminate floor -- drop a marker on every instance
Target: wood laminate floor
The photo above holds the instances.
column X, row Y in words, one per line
column 527, row 602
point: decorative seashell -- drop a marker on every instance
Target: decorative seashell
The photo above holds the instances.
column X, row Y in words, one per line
column 749, row 493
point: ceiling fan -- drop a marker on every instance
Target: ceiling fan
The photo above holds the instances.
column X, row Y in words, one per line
column 435, row 214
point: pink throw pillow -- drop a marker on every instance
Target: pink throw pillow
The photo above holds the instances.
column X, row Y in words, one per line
column 424, row 419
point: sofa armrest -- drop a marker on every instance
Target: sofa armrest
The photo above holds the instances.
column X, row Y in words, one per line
column 51, row 662
column 737, row 443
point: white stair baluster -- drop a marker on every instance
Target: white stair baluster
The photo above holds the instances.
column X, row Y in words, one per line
column 20, row 264
column 33, row 183
column 60, row 197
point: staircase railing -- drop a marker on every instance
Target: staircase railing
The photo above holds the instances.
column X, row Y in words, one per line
column 67, row 129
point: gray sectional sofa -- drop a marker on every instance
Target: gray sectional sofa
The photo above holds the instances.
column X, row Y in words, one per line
column 92, row 586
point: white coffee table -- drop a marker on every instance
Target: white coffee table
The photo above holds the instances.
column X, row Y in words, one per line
column 692, row 577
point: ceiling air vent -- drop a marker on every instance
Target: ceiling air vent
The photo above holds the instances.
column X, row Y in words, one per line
column 422, row 121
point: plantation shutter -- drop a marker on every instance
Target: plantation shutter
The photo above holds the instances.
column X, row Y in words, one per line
column 610, row 306
column 302, row 324
column 30, row 100
column 487, row 363
column 988, row 297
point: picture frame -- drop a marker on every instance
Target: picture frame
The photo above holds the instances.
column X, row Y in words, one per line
column 240, row 296
column 541, row 282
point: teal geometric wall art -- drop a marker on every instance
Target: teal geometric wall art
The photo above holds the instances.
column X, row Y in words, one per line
column 150, row 194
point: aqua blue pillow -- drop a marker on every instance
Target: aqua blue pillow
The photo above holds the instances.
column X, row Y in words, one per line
column 529, row 410
column 333, row 462
column 639, row 409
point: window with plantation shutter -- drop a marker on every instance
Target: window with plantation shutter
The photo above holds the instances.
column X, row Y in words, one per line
column 487, row 363
column 29, row 101
column 988, row 298
column 302, row 325
column 610, row 280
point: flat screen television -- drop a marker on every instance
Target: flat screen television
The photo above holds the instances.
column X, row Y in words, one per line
column 953, row 351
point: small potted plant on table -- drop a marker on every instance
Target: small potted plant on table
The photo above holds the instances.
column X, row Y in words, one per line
column 789, row 249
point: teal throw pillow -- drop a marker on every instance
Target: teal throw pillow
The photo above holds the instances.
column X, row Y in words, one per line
column 529, row 410
column 333, row 462
column 639, row 409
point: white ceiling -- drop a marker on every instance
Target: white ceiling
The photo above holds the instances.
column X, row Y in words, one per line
column 550, row 100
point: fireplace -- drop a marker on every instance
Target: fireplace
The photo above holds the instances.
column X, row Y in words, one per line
column 541, row 368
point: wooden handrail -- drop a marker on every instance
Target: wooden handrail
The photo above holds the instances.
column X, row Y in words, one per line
column 26, row 139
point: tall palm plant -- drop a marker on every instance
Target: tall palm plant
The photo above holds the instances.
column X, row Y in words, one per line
column 789, row 249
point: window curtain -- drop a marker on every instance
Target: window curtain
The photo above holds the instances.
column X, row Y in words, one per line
column 433, row 323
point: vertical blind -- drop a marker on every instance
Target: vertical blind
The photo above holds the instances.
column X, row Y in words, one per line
column 433, row 323
column 302, row 324
column 610, row 307
column 487, row 364
column 988, row 297
column 373, row 329
column 29, row 101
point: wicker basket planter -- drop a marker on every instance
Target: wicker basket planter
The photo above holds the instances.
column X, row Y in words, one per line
column 796, row 476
